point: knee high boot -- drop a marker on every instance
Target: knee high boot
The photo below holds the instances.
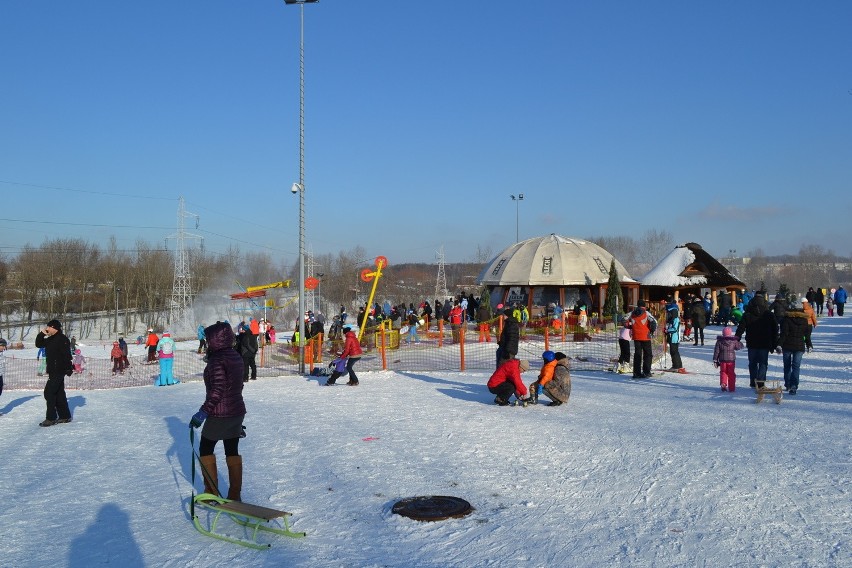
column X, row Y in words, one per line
column 235, row 477
column 209, row 473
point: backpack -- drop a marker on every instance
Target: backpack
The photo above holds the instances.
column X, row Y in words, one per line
column 652, row 324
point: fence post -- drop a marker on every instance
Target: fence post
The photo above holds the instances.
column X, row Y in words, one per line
column 383, row 349
column 462, row 331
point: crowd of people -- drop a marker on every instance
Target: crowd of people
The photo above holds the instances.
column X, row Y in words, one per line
column 784, row 326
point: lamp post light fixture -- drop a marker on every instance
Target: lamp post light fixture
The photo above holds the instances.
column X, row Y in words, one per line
column 300, row 186
column 517, row 201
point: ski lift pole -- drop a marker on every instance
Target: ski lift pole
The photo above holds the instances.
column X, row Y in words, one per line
column 367, row 276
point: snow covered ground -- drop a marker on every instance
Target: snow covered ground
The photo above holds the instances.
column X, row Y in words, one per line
column 664, row 472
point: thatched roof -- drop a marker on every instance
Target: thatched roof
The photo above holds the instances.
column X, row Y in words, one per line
column 690, row 266
column 551, row 261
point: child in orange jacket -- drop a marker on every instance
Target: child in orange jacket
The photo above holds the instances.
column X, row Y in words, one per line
column 544, row 376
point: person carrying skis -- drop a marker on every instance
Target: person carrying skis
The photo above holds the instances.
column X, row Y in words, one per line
column 223, row 411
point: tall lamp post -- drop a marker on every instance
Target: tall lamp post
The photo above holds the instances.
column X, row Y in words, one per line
column 300, row 186
column 115, row 292
column 517, row 201
column 319, row 293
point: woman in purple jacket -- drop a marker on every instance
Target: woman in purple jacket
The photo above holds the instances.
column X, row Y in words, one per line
column 223, row 410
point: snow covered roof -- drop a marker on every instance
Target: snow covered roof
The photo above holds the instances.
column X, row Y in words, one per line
column 689, row 265
column 551, row 261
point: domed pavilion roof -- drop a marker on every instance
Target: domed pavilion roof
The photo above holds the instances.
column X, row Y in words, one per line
column 551, row 261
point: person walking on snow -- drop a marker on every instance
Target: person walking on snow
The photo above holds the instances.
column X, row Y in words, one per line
column 673, row 335
column 725, row 359
column 351, row 352
column 115, row 356
column 761, row 335
column 151, row 343
column 223, row 411
column 247, row 348
column 125, row 362
column 202, row 339
column 840, row 300
column 791, row 341
column 57, row 350
column 166, row 354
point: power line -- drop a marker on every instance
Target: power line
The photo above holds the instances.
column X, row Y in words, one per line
column 82, row 224
column 112, row 194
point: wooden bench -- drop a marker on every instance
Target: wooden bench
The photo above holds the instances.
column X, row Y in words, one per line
column 246, row 515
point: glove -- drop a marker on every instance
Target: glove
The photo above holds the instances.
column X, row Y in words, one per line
column 716, row 364
column 197, row 419
column 778, row 350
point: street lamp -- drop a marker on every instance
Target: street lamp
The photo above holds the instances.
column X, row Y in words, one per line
column 300, row 187
column 115, row 292
column 517, row 201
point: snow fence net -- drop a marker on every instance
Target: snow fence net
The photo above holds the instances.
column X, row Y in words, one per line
column 431, row 347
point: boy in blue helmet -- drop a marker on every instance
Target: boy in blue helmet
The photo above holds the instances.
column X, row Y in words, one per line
column 544, row 376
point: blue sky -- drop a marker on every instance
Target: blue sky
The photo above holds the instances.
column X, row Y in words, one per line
column 725, row 123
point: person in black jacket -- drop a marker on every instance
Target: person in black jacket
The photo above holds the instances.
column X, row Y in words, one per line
column 247, row 348
column 698, row 317
column 57, row 350
column 761, row 333
column 794, row 326
column 507, row 345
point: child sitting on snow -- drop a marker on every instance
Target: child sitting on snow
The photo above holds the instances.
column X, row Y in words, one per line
column 544, row 376
column 725, row 358
column 79, row 362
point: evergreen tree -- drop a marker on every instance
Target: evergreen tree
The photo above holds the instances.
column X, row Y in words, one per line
column 485, row 300
column 614, row 300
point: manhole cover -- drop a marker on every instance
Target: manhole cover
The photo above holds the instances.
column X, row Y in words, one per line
column 432, row 508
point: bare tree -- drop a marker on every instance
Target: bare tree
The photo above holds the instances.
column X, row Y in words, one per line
column 654, row 245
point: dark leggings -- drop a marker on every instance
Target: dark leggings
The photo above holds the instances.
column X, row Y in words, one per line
column 206, row 446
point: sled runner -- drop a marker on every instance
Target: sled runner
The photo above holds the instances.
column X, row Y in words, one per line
column 772, row 388
column 252, row 517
